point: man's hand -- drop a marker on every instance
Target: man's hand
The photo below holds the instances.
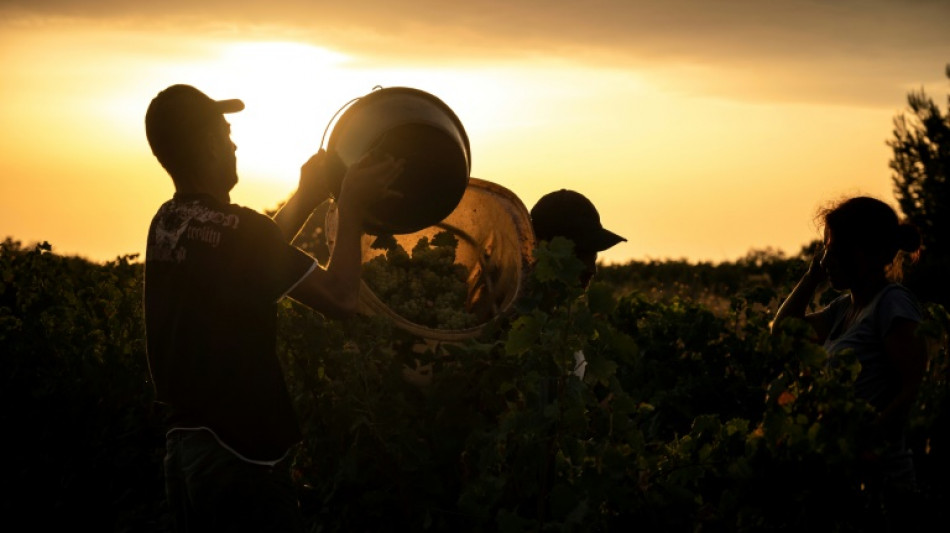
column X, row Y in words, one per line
column 320, row 177
column 369, row 180
column 334, row 290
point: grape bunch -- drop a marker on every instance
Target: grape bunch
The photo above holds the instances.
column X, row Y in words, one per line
column 426, row 287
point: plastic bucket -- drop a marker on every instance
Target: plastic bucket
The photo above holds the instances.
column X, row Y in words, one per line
column 420, row 129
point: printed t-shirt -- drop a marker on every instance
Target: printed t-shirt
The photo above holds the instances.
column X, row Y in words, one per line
column 214, row 273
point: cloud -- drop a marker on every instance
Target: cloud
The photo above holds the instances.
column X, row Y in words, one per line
column 865, row 52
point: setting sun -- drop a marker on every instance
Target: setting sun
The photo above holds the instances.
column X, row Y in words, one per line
column 607, row 306
column 287, row 89
column 678, row 135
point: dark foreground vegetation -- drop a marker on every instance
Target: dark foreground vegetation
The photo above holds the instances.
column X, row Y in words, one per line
column 691, row 417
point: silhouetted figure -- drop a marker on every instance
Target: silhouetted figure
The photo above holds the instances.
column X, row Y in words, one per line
column 214, row 272
column 569, row 214
column 878, row 318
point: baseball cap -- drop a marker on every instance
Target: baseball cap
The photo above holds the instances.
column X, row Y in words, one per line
column 181, row 109
column 570, row 214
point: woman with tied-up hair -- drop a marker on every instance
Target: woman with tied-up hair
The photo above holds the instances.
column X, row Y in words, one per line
column 864, row 246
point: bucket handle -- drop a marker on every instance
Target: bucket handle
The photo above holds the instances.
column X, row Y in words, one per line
column 337, row 114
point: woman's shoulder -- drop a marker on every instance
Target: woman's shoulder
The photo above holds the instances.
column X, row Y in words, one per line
column 897, row 300
column 895, row 292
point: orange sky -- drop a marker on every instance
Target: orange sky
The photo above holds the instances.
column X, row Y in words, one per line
column 700, row 129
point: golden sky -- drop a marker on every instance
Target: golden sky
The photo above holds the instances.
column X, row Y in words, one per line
column 700, row 129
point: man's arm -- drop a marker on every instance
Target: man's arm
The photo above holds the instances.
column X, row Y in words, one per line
column 319, row 176
column 334, row 290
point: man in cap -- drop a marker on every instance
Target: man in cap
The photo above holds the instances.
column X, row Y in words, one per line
column 569, row 214
column 214, row 272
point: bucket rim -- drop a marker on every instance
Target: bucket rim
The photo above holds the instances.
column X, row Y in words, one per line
column 343, row 115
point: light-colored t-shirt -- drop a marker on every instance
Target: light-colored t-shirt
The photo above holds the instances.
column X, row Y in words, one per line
column 878, row 381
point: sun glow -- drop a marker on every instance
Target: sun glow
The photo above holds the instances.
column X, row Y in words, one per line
column 680, row 164
column 287, row 90
column 293, row 92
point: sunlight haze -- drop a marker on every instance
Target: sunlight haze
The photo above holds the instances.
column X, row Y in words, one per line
column 700, row 130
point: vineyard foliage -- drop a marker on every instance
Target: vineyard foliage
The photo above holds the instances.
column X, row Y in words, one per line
column 690, row 415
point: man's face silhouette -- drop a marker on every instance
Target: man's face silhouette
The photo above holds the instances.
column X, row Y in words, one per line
column 223, row 155
column 590, row 265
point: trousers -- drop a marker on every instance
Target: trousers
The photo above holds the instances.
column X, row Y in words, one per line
column 210, row 489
